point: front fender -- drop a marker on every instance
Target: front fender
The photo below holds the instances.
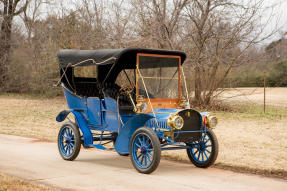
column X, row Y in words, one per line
column 127, row 130
column 82, row 124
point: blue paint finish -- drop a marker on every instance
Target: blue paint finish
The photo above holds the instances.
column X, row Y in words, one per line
column 62, row 115
column 110, row 115
column 82, row 123
column 94, row 110
column 126, row 117
column 110, row 104
column 126, row 131
column 75, row 102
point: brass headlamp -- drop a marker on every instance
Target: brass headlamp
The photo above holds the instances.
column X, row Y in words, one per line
column 175, row 122
column 211, row 121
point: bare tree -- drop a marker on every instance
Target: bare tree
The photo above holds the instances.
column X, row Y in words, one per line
column 219, row 33
column 11, row 8
column 159, row 21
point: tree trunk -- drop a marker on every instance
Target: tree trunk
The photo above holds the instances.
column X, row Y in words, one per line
column 197, row 86
column 5, row 45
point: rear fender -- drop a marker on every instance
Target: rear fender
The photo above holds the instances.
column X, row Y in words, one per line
column 127, row 130
column 82, row 124
column 62, row 115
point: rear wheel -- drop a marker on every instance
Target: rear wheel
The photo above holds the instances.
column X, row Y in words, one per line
column 69, row 141
column 203, row 153
column 145, row 150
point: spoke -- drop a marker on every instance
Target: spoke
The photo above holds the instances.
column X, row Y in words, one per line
column 207, row 146
column 207, row 151
column 148, row 158
column 140, row 141
column 150, row 149
column 66, row 149
column 70, row 132
column 138, row 145
column 148, row 153
column 69, row 149
column 198, row 155
column 63, row 136
column 202, row 156
column 205, row 155
column 203, row 137
column 206, row 141
column 145, row 160
column 141, row 161
column 195, row 152
column 138, row 157
column 143, row 140
column 65, row 133
column 149, row 144
column 72, row 144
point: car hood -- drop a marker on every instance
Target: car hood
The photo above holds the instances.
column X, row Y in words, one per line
column 163, row 114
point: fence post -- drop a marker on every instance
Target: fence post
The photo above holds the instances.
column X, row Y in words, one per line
column 264, row 90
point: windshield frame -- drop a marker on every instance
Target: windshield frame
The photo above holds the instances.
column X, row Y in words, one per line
column 179, row 78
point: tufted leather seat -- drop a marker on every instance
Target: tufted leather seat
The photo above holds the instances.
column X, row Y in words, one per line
column 112, row 90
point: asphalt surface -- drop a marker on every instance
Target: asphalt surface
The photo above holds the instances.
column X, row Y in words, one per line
column 40, row 163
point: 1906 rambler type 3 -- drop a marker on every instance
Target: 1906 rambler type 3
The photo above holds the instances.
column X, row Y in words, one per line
column 136, row 99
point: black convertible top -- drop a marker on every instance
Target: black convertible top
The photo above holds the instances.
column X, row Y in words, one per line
column 125, row 56
column 110, row 61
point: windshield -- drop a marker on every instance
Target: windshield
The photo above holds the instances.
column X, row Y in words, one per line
column 160, row 75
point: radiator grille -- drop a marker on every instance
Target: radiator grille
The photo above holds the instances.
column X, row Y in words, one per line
column 152, row 123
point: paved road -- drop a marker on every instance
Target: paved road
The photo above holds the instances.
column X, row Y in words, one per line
column 39, row 162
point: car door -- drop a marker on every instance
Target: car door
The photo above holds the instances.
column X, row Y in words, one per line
column 94, row 110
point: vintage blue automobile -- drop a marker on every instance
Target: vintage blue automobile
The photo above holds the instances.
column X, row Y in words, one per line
column 132, row 98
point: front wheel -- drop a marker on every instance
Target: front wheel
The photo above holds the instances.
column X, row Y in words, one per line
column 69, row 141
column 203, row 153
column 145, row 150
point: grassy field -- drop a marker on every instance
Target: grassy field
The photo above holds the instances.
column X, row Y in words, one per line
column 249, row 140
column 8, row 183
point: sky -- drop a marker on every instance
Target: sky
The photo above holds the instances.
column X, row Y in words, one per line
column 279, row 20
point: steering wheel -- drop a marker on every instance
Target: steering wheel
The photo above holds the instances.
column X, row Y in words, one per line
column 126, row 89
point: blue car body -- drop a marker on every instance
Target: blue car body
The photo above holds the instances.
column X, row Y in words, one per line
column 102, row 114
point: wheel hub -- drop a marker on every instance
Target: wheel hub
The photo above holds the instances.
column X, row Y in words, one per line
column 143, row 150
column 201, row 146
column 68, row 141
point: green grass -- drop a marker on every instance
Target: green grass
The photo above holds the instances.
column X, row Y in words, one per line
column 253, row 111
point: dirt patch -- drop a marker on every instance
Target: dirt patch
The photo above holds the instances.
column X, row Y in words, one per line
column 274, row 96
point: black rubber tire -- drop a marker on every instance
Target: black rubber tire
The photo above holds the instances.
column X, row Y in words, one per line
column 77, row 138
column 213, row 155
column 156, row 145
